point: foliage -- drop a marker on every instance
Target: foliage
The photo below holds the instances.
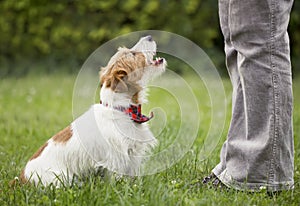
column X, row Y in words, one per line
column 294, row 32
column 58, row 32
column 34, row 108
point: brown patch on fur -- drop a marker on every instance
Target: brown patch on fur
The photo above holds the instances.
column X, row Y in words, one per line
column 135, row 98
column 63, row 136
column 118, row 81
column 123, row 71
column 22, row 177
column 39, row 152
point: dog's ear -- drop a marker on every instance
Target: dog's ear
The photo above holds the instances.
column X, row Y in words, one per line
column 101, row 76
column 118, row 81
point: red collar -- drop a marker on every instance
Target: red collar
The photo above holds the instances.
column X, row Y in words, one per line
column 134, row 112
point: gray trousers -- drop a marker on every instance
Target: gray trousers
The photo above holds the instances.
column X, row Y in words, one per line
column 259, row 152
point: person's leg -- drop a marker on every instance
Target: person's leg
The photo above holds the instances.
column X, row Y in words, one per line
column 259, row 149
column 231, row 64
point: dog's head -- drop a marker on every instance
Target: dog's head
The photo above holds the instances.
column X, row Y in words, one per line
column 129, row 70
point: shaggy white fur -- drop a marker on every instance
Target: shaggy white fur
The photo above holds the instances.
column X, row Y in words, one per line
column 103, row 136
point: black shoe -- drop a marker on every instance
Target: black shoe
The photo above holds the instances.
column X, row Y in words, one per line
column 216, row 183
column 209, row 178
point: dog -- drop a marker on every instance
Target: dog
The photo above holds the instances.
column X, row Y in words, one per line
column 113, row 134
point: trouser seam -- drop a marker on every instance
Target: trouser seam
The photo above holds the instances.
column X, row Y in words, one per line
column 275, row 132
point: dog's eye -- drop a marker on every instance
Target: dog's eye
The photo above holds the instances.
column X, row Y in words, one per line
column 133, row 53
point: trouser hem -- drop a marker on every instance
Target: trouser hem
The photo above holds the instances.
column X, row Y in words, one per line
column 230, row 182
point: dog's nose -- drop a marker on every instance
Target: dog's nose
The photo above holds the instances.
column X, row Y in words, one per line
column 149, row 38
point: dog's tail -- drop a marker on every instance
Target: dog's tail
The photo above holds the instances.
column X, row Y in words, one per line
column 21, row 180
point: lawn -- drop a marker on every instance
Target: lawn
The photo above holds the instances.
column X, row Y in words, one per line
column 34, row 108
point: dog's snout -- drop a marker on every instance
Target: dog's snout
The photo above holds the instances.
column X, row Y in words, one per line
column 149, row 38
column 146, row 43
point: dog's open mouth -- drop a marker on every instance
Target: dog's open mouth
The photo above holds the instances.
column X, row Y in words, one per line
column 147, row 46
column 158, row 61
column 155, row 60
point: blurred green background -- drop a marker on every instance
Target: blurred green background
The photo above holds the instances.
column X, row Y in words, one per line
column 42, row 36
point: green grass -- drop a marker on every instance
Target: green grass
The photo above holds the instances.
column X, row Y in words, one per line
column 34, row 108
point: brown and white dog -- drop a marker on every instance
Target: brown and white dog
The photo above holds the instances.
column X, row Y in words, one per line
column 109, row 135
